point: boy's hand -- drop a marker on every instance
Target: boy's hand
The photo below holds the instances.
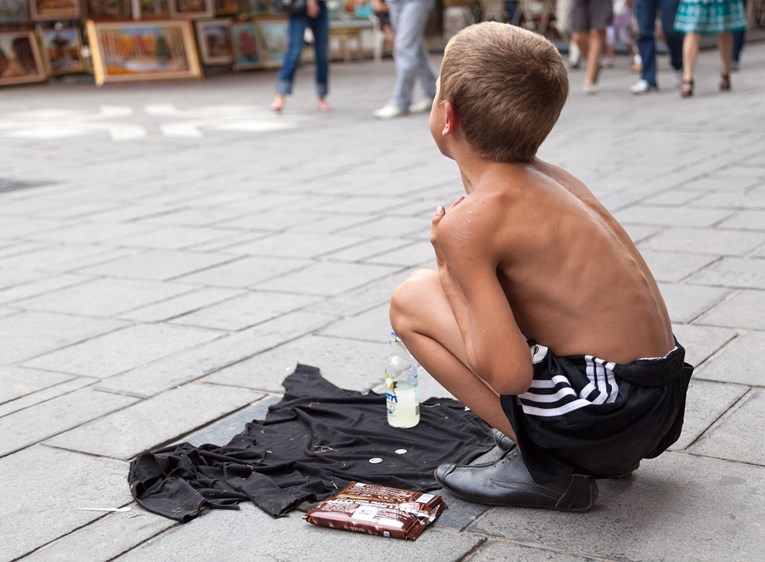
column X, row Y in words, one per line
column 440, row 214
column 312, row 8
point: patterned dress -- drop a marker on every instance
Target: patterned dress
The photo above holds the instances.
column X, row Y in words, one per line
column 710, row 16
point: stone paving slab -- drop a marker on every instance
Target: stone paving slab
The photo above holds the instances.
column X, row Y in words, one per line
column 244, row 272
column 61, row 414
column 686, row 302
column 739, row 273
column 251, row 535
column 15, row 383
column 668, row 502
column 105, row 538
column 706, row 402
column 122, row 350
column 103, row 297
column 343, row 362
column 244, row 311
column 741, row 310
column 186, row 303
column 734, row 363
column 738, row 435
column 195, row 363
column 45, row 395
column 125, row 433
column 156, row 265
column 42, row 489
column 28, row 334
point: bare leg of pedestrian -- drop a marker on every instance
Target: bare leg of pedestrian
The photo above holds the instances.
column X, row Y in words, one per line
column 595, row 44
column 690, row 54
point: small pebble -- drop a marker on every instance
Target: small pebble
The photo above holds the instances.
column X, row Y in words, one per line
column 400, row 451
column 375, row 460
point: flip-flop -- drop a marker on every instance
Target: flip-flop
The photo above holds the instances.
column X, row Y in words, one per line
column 324, row 108
column 277, row 107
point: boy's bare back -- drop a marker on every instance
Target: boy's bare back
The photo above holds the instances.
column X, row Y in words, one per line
column 573, row 279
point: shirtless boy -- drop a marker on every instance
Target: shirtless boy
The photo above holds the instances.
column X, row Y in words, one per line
column 542, row 317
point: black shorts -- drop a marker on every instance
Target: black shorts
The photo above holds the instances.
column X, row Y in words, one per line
column 589, row 416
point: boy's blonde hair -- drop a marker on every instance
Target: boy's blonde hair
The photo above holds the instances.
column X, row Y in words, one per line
column 507, row 85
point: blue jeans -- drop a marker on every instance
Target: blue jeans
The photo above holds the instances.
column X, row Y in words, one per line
column 645, row 11
column 738, row 41
column 409, row 18
column 320, row 28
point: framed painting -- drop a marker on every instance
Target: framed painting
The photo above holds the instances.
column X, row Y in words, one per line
column 274, row 39
column 226, row 7
column 14, row 11
column 20, row 59
column 214, row 38
column 256, row 7
column 44, row 10
column 109, row 9
column 191, row 8
column 151, row 50
column 155, row 9
column 245, row 46
column 63, row 50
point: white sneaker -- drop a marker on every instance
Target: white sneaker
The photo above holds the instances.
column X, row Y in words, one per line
column 642, row 87
column 389, row 111
column 589, row 88
column 422, row 106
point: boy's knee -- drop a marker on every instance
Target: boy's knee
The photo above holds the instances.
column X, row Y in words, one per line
column 407, row 295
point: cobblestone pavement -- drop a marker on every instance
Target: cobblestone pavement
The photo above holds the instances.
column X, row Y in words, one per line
column 169, row 251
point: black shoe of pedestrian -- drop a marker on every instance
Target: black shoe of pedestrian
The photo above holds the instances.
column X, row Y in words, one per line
column 507, row 482
column 501, row 440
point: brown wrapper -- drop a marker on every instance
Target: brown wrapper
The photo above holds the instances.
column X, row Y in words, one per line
column 378, row 510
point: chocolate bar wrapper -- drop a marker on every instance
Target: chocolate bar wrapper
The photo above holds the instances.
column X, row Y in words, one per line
column 378, row 510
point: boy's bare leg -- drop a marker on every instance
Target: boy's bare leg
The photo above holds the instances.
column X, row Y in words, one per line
column 422, row 317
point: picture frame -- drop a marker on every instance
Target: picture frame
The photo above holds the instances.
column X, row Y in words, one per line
column 257, row 7
column 191, row 8
column 100, row 10
column 20, row 58
column 148, row 50
column 246, row 46
column 214, row 39
column 14, row 11
column 63, row 50
column 226, row 7
column 154, row 9
column 274, row 38
column 47, row 10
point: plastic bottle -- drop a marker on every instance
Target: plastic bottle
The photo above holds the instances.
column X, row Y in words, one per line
column 402, row 393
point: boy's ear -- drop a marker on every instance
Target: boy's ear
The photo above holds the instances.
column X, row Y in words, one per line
column 451, row 119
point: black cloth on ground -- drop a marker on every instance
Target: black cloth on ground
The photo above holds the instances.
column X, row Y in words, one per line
column 312, row 443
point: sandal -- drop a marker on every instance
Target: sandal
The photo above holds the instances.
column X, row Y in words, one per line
column 725, row 82
column 686, row 90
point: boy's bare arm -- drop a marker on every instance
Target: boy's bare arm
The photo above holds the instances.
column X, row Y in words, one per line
column 496, row 349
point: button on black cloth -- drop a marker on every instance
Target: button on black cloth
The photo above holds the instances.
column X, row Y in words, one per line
column 311, row 444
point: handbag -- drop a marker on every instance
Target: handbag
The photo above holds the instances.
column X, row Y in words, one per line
column 291, row 7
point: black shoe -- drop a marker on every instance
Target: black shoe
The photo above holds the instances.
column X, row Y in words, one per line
column 501, row 440
column 507, row 482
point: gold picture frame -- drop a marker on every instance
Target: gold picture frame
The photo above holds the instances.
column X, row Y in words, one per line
column 192, row 8
column 147, row 50
column 20, row 58
column 47, row 10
